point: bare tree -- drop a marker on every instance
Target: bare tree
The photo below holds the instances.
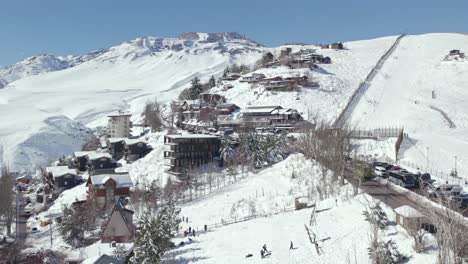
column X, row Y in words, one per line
column 152, row 114
column 91, row 144
column 450, row 231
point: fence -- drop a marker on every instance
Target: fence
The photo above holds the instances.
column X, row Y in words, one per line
column 363, row 86
column 378, row 133
column 436, row 173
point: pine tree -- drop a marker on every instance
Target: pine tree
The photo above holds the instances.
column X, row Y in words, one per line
column 212, row 82
column 196, row 88
column 154, row 234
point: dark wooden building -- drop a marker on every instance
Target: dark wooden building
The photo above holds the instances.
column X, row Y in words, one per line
column 81, row 160
column 187, row 151
column 116, row 147
column 99, row 161
column 106, row 189
column 136, row 149
column 62, row 177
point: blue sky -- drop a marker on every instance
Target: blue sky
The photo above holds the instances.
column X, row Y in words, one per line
column 74, row 27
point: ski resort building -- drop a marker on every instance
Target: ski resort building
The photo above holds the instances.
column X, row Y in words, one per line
column 62, row 177
column 130, row 149
column 106, row 189
column 119, row 227
column 119, row 125
column 271, row 117
column 100, row 161
column 191, row 150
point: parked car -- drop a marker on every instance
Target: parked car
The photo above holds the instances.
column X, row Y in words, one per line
column 378, row 164
column 422, row 180
column 444, row 191
column 380, row 172
column 404, row 179
column 460, row 201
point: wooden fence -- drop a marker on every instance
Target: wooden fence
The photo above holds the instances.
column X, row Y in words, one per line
column 377, row 133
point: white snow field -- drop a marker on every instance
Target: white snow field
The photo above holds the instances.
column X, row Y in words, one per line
column 401, row 95
column 339, row 220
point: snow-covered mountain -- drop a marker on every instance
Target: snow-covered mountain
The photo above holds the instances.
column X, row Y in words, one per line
column 84, row 89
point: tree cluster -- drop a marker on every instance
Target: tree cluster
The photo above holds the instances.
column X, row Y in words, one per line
column 155, row 232
column 76, row 221
column 7, row 197
column 380, row 251
column 260, row 149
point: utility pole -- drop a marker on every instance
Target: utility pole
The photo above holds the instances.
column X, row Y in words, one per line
column 427, row 159
column 456, row 173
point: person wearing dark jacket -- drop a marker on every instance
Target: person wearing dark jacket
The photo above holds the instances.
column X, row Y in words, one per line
column 291, row 246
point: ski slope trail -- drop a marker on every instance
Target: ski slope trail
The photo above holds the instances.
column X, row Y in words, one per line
column 418, row 89
column 363, row 86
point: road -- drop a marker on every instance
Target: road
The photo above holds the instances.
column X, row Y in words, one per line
column 387, row 195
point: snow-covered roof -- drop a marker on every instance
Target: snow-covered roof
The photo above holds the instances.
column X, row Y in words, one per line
column 120, row 114
column 191, row 136
column 115, row 140
column 80, row 154
column 121, row 179
column 58, row 171
column 132, row 141
column 261, row 109
column 408, row 212
column 98, row 155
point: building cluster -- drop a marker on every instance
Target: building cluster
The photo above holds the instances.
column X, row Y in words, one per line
column 455, row 55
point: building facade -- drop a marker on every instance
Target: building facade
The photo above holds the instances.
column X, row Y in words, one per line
column 188, row 151
column 119, row 125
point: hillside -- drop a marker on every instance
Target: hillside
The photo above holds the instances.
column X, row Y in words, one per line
column 121, row 77
column 401, row 95
column 124, row 76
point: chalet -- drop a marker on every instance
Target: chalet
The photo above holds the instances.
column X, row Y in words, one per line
column 81, row 160
column 285, row 118
column 116, row 147
column 317, row 58
column 258, row 116
column 119, row 125
column 62, row 177
column 190, row 114
column 100, row 161
column 211, row 99
column 300, row 63
column 106, row 189
column 231, row 76
column 227, row 122
column 282, row 85
column 276, row 78
column 119, row 227
column 253, row 78
column 336, row 45
column 136, row 149
column 225, row 109
column 187, row 151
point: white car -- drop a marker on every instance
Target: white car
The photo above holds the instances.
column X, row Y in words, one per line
column 380, row 171
column 444, row 190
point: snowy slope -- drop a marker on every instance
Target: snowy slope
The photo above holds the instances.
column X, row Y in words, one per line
column 122, row 77
column 401, row 95
column 269, row 192
column 337, row 80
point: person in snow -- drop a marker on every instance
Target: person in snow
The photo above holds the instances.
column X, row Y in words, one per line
column 262, row 253
column 206, row 228
column 190, row 229
column 265, row 248
column 185, row 233
column 291, row 246
column 193, row 232
column 186, row 219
